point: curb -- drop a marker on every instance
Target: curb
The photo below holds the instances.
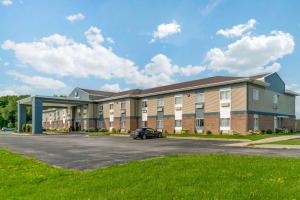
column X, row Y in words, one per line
column 209, row 139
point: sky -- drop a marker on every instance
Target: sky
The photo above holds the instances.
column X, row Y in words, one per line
column 50, row 47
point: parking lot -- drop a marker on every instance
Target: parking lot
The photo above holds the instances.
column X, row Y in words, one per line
column 87, row 152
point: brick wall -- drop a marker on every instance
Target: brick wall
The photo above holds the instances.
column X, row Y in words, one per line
column 188, row 122
column 152, row 122
column 239, row 123
column 266, row 122
column 169, row 123
column 288, row 123
column 211, row 123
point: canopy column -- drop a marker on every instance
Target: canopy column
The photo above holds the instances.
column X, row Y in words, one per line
column 37, row 114
column 21, row 116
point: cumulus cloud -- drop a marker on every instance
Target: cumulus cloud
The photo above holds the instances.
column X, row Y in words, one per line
column 166, row 30
column 15, row 90
column 110, row 40
column 38, row 81
column 237, row 30
column 115, row 87
column 62, row 56
column 6, row 2
column 252, row 54
column 75, row 17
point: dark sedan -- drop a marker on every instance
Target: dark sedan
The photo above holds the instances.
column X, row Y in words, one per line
column 145, row 133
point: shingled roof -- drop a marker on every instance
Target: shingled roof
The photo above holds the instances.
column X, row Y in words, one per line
column 98, row 92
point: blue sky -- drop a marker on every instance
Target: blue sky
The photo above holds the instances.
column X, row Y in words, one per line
column 50, row 47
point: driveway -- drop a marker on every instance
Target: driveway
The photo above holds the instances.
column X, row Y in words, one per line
column 84, row 152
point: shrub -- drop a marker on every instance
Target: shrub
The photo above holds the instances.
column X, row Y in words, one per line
column 23, row 127
column 208, row 132
column 113, row 130
column 263, row 131
column 258, row 132
column 10, row 125
column 27, row 128
column 129, row 131
column 184, row 131
column 269, row 131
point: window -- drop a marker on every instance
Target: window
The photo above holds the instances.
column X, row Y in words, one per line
column 275, row 99
column 123, row 120
column 160, row 102
column 178, row 100
column 199, row 123
column 160, row 120
column 111, row 106
column 145, row 103
column 225, row 122
column 100, row 107
column 225, row 95
column 123, row 105
column 200, row 98
column 255, row 94
column 111, row 124
column 101, row 124
column 177, row 123
column 78, row 109
column 256, row 123
column 144, row 123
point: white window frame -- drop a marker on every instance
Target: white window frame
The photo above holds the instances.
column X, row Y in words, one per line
column 198, row 121
column 228, row 97
column 100, row 107
column 181, row 101
column 227, row 126
column 255, row 94
column 144, row 104
column 200, row 98
column 176, row 126
column 111, row 106
column 123, row 105
column 256, row 122
column 275, row 99
column 160, row 102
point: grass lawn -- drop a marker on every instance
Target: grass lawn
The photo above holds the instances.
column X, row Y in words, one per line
column 249, row 137
column 174, row 177
column 288, row 142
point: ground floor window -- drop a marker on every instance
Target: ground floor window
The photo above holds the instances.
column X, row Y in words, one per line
column 101, row 124
column 144, row 123
column 111, row 124
column 225, row 122
column 85, row 124
column 123, row 120
column 178, row 123
column 160, row 120
column 256, row 123
column 275, row 123
column 199, row 123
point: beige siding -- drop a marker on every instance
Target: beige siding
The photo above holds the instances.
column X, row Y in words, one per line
column 133, row 107
column 189, row 102
column 286, row 104
column 117, row 108
column 212, row 102
column 106, row 110
column 239, row 98
column 152, row 106
column 169, row 105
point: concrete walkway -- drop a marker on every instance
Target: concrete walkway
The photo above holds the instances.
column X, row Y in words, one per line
column 258, row 143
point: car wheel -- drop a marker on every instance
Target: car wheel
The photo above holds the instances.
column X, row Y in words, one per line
column 144, row 137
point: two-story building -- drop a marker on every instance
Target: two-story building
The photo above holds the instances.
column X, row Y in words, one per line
column 216, row 104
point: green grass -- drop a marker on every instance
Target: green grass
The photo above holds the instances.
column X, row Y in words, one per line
column 249, row 137
column 174, row 177
column 288, row 142
column 97, row 133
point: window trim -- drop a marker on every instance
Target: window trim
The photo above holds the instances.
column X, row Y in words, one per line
column 197, row 97
column 178, row 96
column 255, row 94
column 225, row 90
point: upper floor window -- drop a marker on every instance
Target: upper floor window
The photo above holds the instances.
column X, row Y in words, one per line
column 225, row 94
column 100, row 107
column 144, row 103
column 255, row 94
column 275, row 99
column 200, row 98
column 111, row 106
column 78, row 109
column 123, row 105
column 178, row 99
column 160, row 102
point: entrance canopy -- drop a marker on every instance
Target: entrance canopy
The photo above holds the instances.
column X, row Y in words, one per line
column 40, row 102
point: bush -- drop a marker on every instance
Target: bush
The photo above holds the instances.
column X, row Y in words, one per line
column 184, row 131
column 263, row 131
column 208, row 132
column 113, row 130
column 10, row 125
column 129, row 131
column 258, row 132
column 27, row 128
column 23, row 127
column 269, row 131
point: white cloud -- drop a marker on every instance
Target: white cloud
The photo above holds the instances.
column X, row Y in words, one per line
column 15, row 90
column 191, row 70
column 115, row 87
column 252, row 54
column 38, row 81
column 237, row 30
column 6, row 2
column 110, row 40
column 165, row 30
column 62, row 56
column 6, row 64
column 212, row 4
column 75, row 17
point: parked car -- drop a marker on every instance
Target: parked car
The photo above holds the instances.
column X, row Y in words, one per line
column 7, row 129
column 145, row 133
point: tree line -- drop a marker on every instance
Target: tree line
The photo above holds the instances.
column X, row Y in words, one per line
column 8, row 111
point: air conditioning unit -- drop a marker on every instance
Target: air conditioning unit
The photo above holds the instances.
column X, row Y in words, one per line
column 178, row 108
column 111, row 112
column 225, row 104
column 123, row 111
column 200, row 106
column 144, row 111
column 160, row 109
